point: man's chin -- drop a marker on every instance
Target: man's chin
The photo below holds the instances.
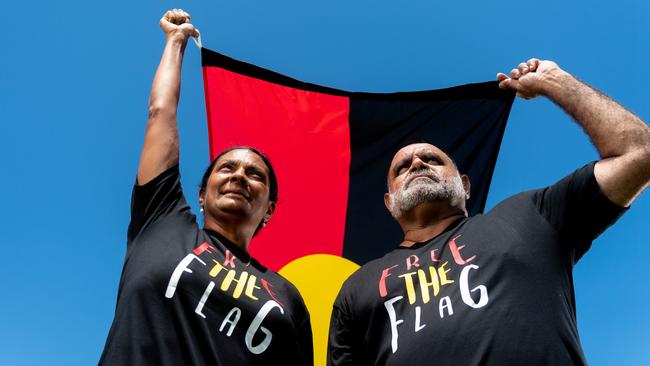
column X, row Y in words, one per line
column 424, row 188
column 422, row 181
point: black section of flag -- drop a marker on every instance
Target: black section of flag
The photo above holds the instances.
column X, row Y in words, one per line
column 467, row 122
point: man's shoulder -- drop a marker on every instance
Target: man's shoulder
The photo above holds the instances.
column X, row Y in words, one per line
column 518, row 201
column 528, row 198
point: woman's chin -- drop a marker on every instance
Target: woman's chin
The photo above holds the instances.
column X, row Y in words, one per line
column 230, row 209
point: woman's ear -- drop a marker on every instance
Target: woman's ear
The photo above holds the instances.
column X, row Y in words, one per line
column 201, row 199
column 269, row 212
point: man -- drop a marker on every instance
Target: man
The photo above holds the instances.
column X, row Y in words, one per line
column 493, row 289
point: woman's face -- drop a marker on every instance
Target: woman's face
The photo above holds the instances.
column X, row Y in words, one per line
column 238, row 189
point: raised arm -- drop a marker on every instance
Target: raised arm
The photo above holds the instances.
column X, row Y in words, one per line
column 621, row 138
column 160, row 150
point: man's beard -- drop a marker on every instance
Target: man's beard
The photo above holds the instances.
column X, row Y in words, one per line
column 424, row 190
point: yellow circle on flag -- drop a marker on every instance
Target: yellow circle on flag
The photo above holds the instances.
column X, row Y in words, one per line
column 319, row 277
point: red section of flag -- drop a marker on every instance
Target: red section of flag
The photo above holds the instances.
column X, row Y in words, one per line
column 307, row 137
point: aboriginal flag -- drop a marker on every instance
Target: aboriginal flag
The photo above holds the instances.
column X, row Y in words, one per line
column 331, row 150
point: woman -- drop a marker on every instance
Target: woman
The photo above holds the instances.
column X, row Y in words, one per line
column 195, row 296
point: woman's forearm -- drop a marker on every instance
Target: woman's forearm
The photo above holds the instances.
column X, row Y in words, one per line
column 161, row 148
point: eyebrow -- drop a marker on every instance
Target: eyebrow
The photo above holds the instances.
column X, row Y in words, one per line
column 423, row 154
column 258, row 170
column 251, row 167
column 229, row 161
column 432, row 154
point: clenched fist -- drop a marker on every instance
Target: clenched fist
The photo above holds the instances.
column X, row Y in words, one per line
column 176, row 23
column 530, row 78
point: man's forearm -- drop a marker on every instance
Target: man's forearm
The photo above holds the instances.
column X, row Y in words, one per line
column 613, row 130
column 621, row 138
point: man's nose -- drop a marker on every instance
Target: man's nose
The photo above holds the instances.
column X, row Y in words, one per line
column 416, row 164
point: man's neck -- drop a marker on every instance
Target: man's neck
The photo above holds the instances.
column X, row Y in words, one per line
column 424, row 223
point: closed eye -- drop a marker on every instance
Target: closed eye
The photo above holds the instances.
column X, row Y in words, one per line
column 226, row 167
column 432, row 159
column 257, row 174
column 402, row 167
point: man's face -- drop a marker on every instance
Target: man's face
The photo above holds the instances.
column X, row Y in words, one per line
column 422, row 173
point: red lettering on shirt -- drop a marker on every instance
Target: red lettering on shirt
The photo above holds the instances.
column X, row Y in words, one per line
column 412, row 261
column 230, row 259
column 267, row 287
column 433, row 256
column 205, row 247
column 455, row 251
column 382, row 281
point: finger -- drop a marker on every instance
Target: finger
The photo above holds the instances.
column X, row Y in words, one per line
column 179, row 13
column 171, row 16
column 183, row 17
column 196, row 33
column 523, row 68
column 177, row 17
column 515, row 74
column 501, row 76
column 532, row 64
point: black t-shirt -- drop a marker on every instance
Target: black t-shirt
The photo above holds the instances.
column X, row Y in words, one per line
column 187, row 296
column 493, row 289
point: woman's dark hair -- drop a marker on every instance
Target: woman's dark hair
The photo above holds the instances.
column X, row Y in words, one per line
column 273, row 180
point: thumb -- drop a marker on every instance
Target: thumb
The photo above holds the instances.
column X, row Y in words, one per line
column 509, row 84
column 502, row 78
column 188, row 29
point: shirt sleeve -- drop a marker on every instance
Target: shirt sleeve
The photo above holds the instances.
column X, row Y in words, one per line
column 160, row 197
column 340, row 348
column 577, row 209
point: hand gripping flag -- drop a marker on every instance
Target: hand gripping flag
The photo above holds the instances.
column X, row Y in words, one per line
column 331, row 150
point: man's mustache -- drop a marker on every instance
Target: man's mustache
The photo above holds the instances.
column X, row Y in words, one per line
column 420, row 173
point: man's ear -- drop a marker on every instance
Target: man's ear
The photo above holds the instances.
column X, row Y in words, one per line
column 387, row 201
column 466, row 184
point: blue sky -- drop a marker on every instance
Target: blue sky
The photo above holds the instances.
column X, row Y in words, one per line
column 74, row 84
